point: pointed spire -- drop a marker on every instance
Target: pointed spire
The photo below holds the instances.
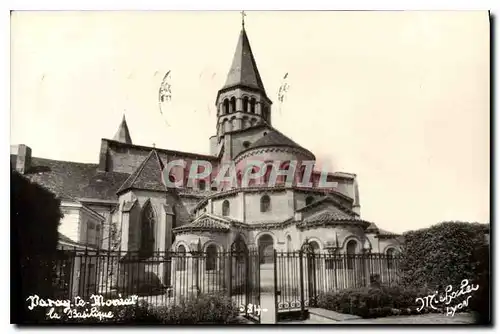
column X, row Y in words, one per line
column 123, row 135
column 244, row 70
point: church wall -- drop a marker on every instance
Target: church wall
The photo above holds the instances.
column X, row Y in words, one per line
column 128, row 159
column 214, row 144
column 189, row 202
column 281, row 154
column 159, row 198
column 345, row 187
column 105, row 211
column 235, row 206
column 300, row 199
column 125, row 159
column 281, row 207
column 385, row 244
column 343, row 234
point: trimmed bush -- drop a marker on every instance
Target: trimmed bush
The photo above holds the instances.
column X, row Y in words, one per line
column 206, row 309
column 374, row 302
column 441, row 255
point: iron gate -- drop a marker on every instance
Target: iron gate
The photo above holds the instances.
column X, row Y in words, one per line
column 294, row 283
column 244, row 278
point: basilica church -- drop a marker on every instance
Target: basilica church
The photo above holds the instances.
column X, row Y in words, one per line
column 121, row 203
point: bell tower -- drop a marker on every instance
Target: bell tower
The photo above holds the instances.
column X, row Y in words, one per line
column 242, row 103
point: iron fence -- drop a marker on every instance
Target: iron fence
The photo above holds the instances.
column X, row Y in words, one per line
column 301, row 277
column 296, row 278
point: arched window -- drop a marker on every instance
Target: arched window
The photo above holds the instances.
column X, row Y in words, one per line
column 211, row 263
column 284, row 167
column 202, row 185
column 225, row 208
column 148, row 221
column 351, row 251
column 255, row 170
column 239, row 178
column 265, row 203
column 252, row 105
column 181, row 258
column 245, row 104
column 266, row 249
column 309, row 200
column 233, row 104
column 267, row 174
column 314, row 246
column 390, row 258
column 289, row 243
column 226, row 107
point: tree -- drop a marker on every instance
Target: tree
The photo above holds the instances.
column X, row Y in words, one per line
column 35, row 216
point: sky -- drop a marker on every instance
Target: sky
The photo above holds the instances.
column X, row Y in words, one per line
column 401, row 99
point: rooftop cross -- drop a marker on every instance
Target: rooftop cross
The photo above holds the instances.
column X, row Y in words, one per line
column 243, row 18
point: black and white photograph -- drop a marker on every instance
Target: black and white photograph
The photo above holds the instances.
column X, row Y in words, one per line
column 250, row 167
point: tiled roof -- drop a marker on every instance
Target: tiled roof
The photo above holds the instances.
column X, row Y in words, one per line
column 329, row 199
column 331, row 217
column 386, row 233
column 372, row 228
column 274, row 138
column 206, row 222
column 74, row 179
column 147, row 176
column 114, row 143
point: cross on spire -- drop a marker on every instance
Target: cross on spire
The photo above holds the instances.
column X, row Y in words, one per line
column 243, row 18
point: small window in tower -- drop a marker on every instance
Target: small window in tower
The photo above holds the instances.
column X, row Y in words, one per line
column 246, row 144
column 226, row 106
column 265, row 203
column 233, row 104
column 252, row 105
column 245, row 104
column 225, row 208
column 265, row 133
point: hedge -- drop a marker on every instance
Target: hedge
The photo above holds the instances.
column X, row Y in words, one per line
column 213, row 308
column 374, row 302
column 442, row 255
column 35, row 216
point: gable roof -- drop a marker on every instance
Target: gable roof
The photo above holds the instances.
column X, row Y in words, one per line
column 205, row 222
column 73, row 180
column 332, row 216
column 147, row 176
column 327, row 199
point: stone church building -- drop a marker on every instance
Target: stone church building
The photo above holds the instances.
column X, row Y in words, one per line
column 120, row 203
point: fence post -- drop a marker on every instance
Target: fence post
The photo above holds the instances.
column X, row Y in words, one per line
column 366, row 265
column 229, row 275
column 301, row 268
column 275, row 287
